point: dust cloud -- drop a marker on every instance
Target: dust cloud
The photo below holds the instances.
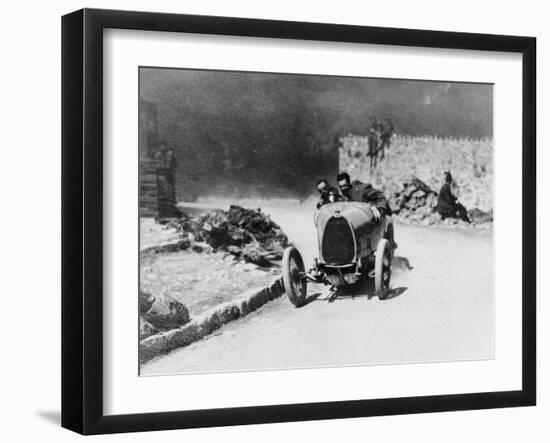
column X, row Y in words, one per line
column 241, row 134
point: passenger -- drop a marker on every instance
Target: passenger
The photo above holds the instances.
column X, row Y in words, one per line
column 334, row 195
column 364, row 192
column 448, row 205
column 322, row 187
column 327, row 193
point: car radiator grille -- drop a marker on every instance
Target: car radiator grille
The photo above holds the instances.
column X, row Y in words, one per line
column 338, row 247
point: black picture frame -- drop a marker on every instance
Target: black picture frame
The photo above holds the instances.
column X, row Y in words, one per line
column 82, row 218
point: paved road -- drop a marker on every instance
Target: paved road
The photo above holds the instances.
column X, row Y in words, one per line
column 441, row 309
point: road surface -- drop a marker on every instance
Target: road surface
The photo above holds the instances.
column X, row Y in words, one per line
column 441, row 308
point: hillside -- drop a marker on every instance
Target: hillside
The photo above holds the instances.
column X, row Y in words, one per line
column 470, row 162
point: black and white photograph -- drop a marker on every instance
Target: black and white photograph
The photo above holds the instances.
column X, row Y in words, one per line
column 293, row 221
column 275, row 221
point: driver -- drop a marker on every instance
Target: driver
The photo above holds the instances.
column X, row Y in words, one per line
column 363, row 192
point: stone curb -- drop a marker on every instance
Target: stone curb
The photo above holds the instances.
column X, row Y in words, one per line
column 209, row 321
column 169, row 246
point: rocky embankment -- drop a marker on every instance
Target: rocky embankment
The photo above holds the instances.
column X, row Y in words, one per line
column 412, row 173
column 415, row 203
column 191, row 265
column 246, row 234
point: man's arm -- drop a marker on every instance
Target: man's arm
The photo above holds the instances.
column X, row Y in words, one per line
column 376, row 198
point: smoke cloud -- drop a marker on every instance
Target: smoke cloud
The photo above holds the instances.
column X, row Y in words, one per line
column 237, row 133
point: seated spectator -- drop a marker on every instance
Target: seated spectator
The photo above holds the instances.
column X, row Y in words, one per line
column 448, row 205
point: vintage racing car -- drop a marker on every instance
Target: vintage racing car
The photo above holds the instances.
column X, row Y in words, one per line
column 352, row 245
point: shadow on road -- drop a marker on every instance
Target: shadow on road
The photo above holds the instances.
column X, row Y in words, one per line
column 311, row 297
column 365, row 286
column 395, row 292
column 366, row 289
column 401, row 264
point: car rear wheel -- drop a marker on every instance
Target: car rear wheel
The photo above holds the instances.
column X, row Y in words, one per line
column 293, row 276
column 390, row 237
column 382, row 269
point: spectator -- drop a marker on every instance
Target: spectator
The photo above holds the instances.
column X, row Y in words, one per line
column 386, row 134
column 448, row 205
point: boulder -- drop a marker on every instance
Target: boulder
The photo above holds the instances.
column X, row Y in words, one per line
column 145, row 302
column 418, row 194
column 431, row 200
column 146, row 329
column 415, row 203
column 167, row 313
column 478, row 216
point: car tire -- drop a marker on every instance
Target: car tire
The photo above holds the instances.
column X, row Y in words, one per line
column 293, row 276
column 382, row 269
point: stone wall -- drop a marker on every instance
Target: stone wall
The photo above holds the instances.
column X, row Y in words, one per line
column 157, row 190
